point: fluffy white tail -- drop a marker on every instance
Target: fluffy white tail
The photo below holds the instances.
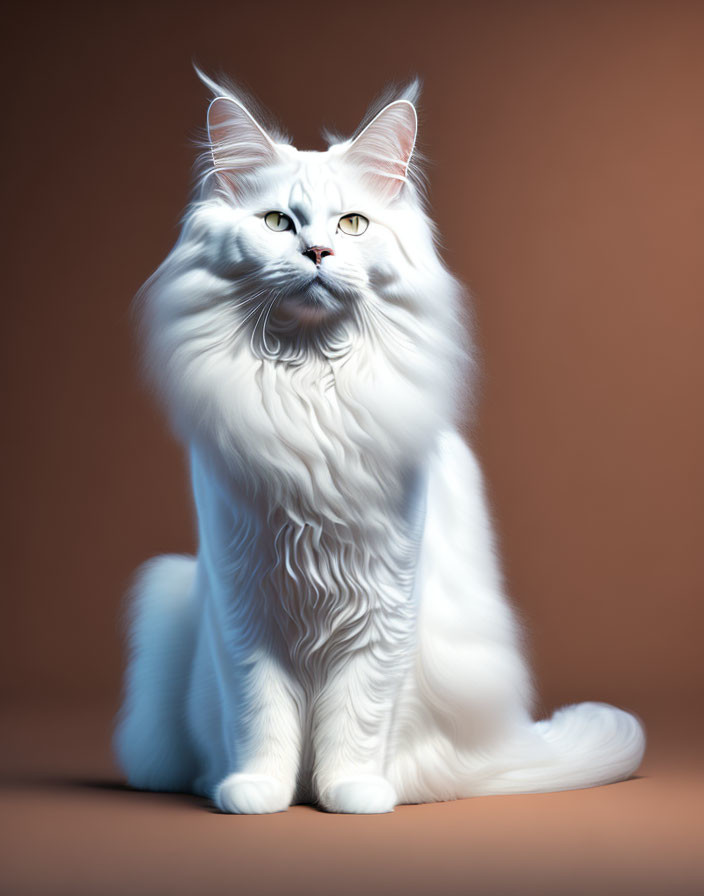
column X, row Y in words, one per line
column 150, row 740
column 583, row 745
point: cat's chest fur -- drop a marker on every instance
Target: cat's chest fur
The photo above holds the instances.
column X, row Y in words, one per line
column 336, row 509
column 322, row 441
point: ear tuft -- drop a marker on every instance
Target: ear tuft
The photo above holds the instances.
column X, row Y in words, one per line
column 384, row 148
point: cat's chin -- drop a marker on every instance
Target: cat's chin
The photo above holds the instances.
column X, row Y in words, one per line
column 304, row 313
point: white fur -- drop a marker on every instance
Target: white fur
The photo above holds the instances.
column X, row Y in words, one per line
column 343, row 635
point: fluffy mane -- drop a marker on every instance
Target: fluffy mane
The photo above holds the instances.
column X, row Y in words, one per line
column 212, row 338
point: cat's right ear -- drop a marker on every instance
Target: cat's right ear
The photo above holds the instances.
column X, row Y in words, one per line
column 238, row 144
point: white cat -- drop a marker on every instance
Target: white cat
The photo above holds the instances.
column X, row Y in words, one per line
column 342, row 636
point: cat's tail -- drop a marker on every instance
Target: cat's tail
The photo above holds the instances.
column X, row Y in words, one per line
column 583, row 745
column 150, row 740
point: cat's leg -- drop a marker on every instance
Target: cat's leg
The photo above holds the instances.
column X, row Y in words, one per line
column 252, row 735
column 469, row 642
column 263, row 734
column 351, row 725
column 469, row 693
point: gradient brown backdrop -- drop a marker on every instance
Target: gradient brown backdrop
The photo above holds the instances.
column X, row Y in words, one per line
column 566, row 147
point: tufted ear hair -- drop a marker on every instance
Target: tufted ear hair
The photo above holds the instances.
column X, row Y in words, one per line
column 384, row 148
column 238, row 144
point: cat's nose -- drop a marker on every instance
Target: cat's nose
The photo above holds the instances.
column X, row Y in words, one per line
column 317, row 253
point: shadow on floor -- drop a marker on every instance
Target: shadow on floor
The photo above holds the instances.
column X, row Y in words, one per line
column 105, row 785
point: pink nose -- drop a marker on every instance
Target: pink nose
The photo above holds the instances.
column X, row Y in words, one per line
column 317, row 253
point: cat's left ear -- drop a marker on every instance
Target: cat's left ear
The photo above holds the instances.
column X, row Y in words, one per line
column 384, row 148
column 238, row 143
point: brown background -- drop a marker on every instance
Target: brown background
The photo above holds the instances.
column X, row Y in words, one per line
column 566, row 147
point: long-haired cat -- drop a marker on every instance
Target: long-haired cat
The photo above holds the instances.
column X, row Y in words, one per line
column 342, row 636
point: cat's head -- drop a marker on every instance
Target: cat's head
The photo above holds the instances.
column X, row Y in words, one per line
column 311, row 232
column 288, row 255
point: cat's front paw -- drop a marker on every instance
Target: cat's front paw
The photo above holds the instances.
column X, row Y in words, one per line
column 242, row 794
column 361, row 795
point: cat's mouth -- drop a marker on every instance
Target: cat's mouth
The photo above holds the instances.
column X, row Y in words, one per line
column 312, row 304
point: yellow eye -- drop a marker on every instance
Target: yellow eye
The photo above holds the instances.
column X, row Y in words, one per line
column 278, row 221
column 354, row 225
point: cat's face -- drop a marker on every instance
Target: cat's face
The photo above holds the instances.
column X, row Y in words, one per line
column 310, row 237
